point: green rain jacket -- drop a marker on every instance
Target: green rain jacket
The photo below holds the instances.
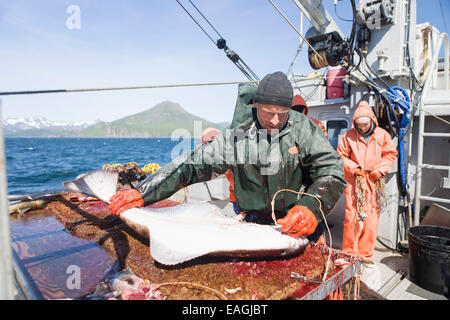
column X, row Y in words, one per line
column 299, row 155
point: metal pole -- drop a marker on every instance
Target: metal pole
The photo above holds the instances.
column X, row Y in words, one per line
column 435, row 199
column 301, row 24
column 446, row 62
column 6, row 270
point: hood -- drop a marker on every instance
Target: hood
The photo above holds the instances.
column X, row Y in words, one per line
column 299, row 104
column 364, row 110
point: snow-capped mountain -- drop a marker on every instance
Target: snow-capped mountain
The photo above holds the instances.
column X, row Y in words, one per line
column 18, row 124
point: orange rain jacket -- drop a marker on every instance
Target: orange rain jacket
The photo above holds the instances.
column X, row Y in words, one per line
column 299, row 104
column 379, row 153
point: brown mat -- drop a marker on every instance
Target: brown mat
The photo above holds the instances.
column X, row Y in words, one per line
column 237, row 279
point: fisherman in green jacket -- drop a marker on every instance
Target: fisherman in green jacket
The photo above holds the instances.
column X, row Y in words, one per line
column 273, row 149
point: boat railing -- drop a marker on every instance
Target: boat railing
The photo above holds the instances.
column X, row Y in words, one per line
column 443, row 39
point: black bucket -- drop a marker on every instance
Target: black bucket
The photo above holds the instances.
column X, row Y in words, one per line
column 429, row 258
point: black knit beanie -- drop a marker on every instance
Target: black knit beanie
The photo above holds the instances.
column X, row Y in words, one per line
column 274, row 89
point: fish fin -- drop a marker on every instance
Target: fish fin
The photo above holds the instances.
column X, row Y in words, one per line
column 99, row 183
column 22, row 211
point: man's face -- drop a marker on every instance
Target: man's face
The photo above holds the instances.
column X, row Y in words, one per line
column 363, row 126
column 272, row 117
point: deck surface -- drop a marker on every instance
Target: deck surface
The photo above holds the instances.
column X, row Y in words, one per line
column 49, row 242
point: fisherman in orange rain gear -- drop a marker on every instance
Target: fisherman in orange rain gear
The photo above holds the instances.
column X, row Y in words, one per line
column 368, row 151
column 207, row 135
column 299, row 104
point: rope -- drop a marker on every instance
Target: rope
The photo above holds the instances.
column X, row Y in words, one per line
column 324, row 219
column 15, row 93
column 28, row 92
column 377, row 87
column 381, row 90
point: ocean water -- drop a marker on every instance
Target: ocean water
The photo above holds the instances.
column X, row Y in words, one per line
column 36, row 165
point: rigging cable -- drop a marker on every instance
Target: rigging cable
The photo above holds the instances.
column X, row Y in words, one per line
column 299, row 49
column 210, row 24
column 443, row 17
column 294, row 60
column 291, row 67
column 28, row 92
column 198, row 24
column 221, row 44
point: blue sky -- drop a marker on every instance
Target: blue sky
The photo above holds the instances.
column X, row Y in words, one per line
column 146, row 42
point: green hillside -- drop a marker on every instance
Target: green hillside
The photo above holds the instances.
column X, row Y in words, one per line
column 159, row 121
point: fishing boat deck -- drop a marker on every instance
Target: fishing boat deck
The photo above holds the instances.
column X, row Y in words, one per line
column 44, row 248
column 53, row 245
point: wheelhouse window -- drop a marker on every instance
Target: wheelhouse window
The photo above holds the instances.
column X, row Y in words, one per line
column 336, row 129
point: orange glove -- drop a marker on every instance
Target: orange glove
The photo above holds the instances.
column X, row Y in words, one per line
column 358, row 172
column 375, row 175
column 299, row 221
column 124, row 200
